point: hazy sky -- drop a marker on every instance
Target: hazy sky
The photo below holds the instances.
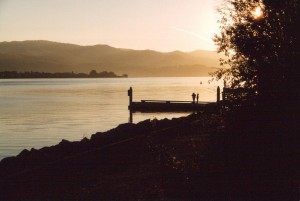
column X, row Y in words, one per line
column 163, row 25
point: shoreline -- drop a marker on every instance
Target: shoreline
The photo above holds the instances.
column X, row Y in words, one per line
column 41, row 75
column 198, row 157
column 108, row 133
column 146, row 138
column 86, row 104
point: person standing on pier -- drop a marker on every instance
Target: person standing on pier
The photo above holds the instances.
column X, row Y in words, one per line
column 197, row 98
column 193, row 96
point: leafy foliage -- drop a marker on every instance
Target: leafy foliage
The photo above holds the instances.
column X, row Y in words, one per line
column 260, row 39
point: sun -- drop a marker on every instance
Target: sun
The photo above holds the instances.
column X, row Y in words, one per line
column 257, row 13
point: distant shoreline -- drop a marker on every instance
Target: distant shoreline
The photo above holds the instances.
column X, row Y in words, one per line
column 45, row 75
column 58, row 78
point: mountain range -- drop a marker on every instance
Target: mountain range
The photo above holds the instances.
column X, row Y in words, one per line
column 47, row 56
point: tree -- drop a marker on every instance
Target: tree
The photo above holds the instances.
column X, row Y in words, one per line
column 261, row 41
column 93, row 73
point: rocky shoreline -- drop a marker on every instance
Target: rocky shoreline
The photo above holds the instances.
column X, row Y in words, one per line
column 199, row 157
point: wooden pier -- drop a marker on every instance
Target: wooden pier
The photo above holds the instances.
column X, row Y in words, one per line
column 172, row 105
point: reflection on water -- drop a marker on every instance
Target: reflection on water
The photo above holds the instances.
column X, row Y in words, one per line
column 41, row 112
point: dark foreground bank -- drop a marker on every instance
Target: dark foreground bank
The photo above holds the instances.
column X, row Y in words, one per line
column 199, row 157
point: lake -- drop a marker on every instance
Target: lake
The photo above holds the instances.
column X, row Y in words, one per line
column 41, row 112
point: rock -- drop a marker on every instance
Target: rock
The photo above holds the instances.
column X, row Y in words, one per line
column 64, row 143
column 23, row 153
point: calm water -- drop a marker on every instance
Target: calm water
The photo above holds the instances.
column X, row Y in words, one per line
column 42, row 112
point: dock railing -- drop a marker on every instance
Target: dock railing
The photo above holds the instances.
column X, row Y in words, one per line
column 225, row 100
column 189, row 105
column 150, row 105
column 164, row 101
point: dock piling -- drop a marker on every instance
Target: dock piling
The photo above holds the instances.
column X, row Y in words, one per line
column 218, row 95
column 130, row 104
column 130, row 95
column 172, row 105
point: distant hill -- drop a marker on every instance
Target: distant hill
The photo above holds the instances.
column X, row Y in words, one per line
column 46, row 56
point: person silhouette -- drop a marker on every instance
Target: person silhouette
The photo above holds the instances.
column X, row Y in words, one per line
column 197, row 98
column 193, row 96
